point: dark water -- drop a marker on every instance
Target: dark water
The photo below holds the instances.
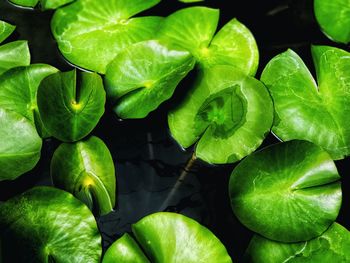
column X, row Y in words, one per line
column 148, row 161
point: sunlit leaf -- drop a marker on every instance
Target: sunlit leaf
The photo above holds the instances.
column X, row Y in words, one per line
column 227, row 114
column 20, row 145
column 194, row 28
column 144, row 75
column 86, row 170
column 170, row 237
column 18, row 91
column 69, row 107
column 305, row 111
column 45, row 224
column 334, row 18
column 44, row 4
column 125, row 250
column 13, row 54
column 332, row 246
column 91, row 33
column 287, row 192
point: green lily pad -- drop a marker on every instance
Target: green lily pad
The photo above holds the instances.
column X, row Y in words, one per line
column 125, row 250
column 45, row 224
column 13, row 54
column 91, row 33
column 20, row 145
column 332, row 246
column 333, row 17
column 68, row 112
column 193, row 29
column 18, row 91
column 44, row 4
column 6, row 30
column 288, row 192
column 170, row 237
column 144, row 75
column 307, row 112
column 86, row 170
column 227, row 114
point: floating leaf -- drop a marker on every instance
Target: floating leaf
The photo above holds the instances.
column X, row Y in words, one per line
column 334, row 18
column 44, row 4
column 170, row 237
column 86, row 170
column 193, row 29
column 70, row 113
column 227, row 113
column 125, row 250
column 45, row 224
column 305, row 111
column 287, row 192
column 91, row 33
column 20, row 145
column 332, row 246
column 13, row 54
column 6, row 30
column 18, row 91
column 144, row 75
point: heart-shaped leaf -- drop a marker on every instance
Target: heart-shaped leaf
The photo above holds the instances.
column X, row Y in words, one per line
column 45, row 224
column 86, row 170
column 334, row 18
column 70, row 113
column 193, row 29
column 20, row 145
column 287, row 192
column 18, row 91
column 332, row 246
column 44, row 4
column 91, row 33
column 307, row 112
column 144, row 75
column 125, row 250
column 13, row 54
column 226, row 112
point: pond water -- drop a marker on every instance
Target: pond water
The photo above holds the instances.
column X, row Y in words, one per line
column 148, row 161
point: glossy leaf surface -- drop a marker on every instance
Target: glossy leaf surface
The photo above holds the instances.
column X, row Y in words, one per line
column 13, row 54
column 305, row 111
column 91, row 33
column 18, row 91
column 169, row 238
column 86, row 170
column 125, row 250
column 332, row 246
column 69, row 107
column 334, row 18
column 287, row 192
column 44, row 4
column 20, row 145
column 226, row 112
column 6, row 30
column 144, row 75
column 193, row 29
column 45, row 224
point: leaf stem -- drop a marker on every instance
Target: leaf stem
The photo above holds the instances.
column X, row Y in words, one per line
column 179, row 182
